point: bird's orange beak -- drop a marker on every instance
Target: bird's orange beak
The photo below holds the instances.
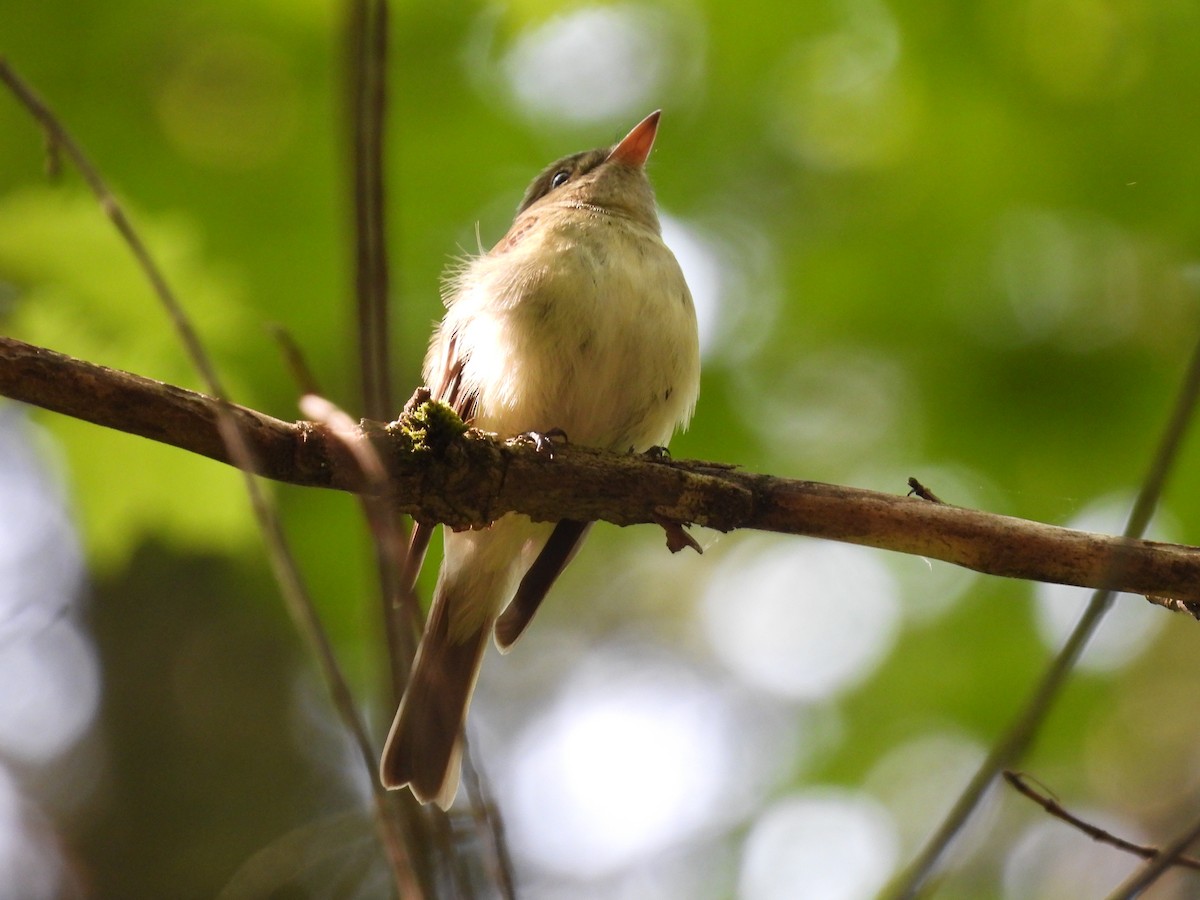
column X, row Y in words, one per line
column 635, row 146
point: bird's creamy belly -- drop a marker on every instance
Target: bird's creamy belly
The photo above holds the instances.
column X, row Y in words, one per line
column 602, row 347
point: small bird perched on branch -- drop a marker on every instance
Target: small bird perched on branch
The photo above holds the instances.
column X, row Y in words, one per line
column 578, row 321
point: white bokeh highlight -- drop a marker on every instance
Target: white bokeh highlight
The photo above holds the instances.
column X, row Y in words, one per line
column 44, row 655
column 831, row 844
column 731, row 271
column 49, row 667
column 54, row 693
column 629, row 761
column 599, row 63
column 802, row 619
column 701, row 266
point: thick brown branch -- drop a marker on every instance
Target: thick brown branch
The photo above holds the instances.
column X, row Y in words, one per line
column 161, row 412
column 475, row 479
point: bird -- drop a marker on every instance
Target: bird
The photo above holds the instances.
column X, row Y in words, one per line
column 578, row 322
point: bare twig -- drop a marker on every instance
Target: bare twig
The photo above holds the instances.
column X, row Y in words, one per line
column 367, row 35
column 367, row 82
column 488, row 822
column 59, row 141
column 917, row 489
column 389, row 543
column 1024, row 727
column 366, row 67
column 1190, row 607
column 294, row 357
column 1019, row 781
column 1153, row 870
column 228, row 426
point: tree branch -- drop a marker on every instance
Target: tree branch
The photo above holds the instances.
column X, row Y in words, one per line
column 1019, row 781
column 147, row 408
column 473, row 479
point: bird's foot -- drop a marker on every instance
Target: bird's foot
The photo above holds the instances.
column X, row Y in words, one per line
column 543, row 441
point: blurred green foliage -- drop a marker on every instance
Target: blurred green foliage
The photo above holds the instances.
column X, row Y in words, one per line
column 957, row 237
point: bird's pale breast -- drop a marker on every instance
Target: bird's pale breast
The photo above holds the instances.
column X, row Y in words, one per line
column 595, row 333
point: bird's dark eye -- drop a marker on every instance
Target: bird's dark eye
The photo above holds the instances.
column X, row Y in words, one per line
column 560, row 178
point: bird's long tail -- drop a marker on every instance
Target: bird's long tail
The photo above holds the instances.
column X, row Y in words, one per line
column 424, row 746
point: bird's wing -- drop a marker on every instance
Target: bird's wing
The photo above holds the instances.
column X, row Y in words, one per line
column 449, row 390
column 560, row 549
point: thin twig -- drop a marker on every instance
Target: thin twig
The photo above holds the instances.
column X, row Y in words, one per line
column 489, row 823
column 283, row 564
column 389, row 541
column 57, row 137
column 1188, row 607
column 919, row 490
column 1052, row 806
column 1153, row 870
column 368, row 43
column 366, row 65
column 1021, row 732
column 297, row 365
column 342, row 428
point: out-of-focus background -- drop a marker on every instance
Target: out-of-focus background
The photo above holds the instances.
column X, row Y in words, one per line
column 952, row 241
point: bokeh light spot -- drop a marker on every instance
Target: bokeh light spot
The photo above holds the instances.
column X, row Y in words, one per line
column 43, row 654
column 594, row 63
column 805, row 620
column 835, row 845
column 49, row 669
column 731, row 273
column 1064, row 277
column 619, row 769
column 702, row 268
